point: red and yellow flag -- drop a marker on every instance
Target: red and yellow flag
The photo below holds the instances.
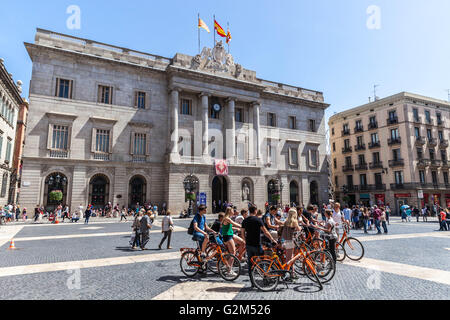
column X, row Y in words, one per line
column 202, row 24
column 228, row 36
column 219, row 29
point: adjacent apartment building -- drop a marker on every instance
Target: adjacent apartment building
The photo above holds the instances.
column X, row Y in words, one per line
column 392, row 151
column 110, row 124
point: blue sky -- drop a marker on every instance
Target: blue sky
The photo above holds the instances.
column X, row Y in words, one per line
column 322, row 45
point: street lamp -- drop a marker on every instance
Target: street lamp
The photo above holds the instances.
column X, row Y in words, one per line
column 190, row 184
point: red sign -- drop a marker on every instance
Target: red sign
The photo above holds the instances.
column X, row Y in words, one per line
column 380, row 199
column 425, row 199
column 221, row 168
column 402, row 195
column 437, row 198
column 448, row 202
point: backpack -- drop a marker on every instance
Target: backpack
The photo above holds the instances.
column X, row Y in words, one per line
column 190, row 230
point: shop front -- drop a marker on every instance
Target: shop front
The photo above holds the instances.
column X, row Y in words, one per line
column 380, row 199
column 364, row 199
column 400, row 200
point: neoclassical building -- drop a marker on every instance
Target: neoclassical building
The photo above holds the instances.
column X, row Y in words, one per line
column 110, row 124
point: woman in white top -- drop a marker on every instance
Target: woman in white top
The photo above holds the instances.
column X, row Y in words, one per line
column 167, row 228
column 330, row 233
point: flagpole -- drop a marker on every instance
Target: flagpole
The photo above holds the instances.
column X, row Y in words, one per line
column 214, row 44
column 228, row 30
column 198, row 21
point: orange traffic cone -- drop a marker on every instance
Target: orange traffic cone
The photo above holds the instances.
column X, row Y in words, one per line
column 11, row 245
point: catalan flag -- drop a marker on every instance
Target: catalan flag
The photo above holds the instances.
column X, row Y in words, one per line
column 202, row 24
column 219, row 29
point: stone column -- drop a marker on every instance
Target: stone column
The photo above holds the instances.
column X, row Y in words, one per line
column 174, row 109
column 231, row 129
column 256, row 110
column 205, row 117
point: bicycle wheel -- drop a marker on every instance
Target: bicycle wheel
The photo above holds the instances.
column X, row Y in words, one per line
column 311, row 272
column 211, row 256
column 261, row 279
column 353, row 249
column 324, row 265
column 189, row 264
column 318, row 244
column 229, row 267
column 298, row 264
column 340, row 252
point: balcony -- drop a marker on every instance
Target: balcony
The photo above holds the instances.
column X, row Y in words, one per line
column 361, row 166
column 396, row 163
column 359, row 129
column 443, row 144
column 432, row 142
column 394, row 141
column 59, row 154
column 364, row 187
column 372, row 187
column 138, row 159
column 373, row 125
column 347, row 168
column 420, row 141
column 403, row 186
column 360, row 147
column 423, row 163
column 373, row 145
column 435, row 163
column 440, row 123
column 102, row 156
column 376, row 165
column 392, row 120
column 417, row 119
column 433, row 185
column 445, row 164
column 346, row 132
column 428, row 122
column 346, row 150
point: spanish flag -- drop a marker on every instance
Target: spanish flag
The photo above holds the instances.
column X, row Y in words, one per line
column 228, row 36
column 202, row 24
column 219, row 29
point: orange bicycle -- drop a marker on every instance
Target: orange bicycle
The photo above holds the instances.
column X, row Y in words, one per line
column 349, row 247
column 267, row 271
column 191, row 262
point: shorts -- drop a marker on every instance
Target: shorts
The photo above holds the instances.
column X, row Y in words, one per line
column 227, row 238
column 288, row 244
column 200, row 238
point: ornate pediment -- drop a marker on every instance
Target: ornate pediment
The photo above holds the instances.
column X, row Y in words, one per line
column 216, row 60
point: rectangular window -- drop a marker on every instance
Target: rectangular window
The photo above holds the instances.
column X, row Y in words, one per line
column 348, row 161
column 396, row 154
column 434, row 177
column 394, row 134
column 393, row 115
column 1, row 143
column 313, row 158
column 416, row 114
column 312, row 125
column 186, row 107
column 334, row 146
column 399, row 177
column 140, row 144
column 102, row 141
column 350, row 181
column 332, row 131
column 373, row 121
column 378, row 179
column 213, row 114
column 239, row 115
column 345, row 128
column 422, row 176
column 362, row 159
column 292, row 123
column 8, row 150
column 446, row 178
column 363, row 180
column 335, row 163
column 438, row 118
column 358, row 125
column 60, row 138
column 429, row 134
column 336, row 180
column 359, row 141
column 443, row 155
column 140, row 99
column 441, row 135
column 347, row 143
column 417, row 132
column 63, row 88
column 419, row 153
column 432, row 154
column 376, row 157
column 105, row 94
column 271, row 119
column 428, row 116
column 374, row 138
column 293, row 156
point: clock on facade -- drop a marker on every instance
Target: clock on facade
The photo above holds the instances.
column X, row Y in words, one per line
column 216, row 107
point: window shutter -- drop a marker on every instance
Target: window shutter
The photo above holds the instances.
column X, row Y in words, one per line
column 50, row 136
column 132, row 143
column 93, row 142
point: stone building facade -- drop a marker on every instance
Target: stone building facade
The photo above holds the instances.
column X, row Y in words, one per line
column 10, row 104
column 109, row 124
column 392, row 151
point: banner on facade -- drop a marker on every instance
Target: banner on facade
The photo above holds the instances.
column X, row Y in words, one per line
column 221, row 167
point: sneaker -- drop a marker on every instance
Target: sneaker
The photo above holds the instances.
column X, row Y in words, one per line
column 232, row 273
column 159, row 247
column 168, row 248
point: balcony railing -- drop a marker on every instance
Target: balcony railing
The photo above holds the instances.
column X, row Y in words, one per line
column 376, row 165
column 445, row 163
column 373, row 125
column 346, row 149
column 432, row 142
column 417, row 119
column 393, row 141
column 435, row 163
column 396, row 163
column 423, row 162
column 359, row 129
column 440, row 123
column 443, row 144
column 403, row 186
column 392, row 120
column 420, row 141
column 102, row 156
column 138, row 159
column 347, row 168
column 346, row 132
column 372, row 187
column 373, row 145
column 359, row 147
column 60, row 154
column 432, row 185
column 361, row 166
column 429, row 121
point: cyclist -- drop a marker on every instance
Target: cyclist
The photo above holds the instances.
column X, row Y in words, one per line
column 228, row 234
column 310, row 221
column 287, row 235
column 201, row 229
column 330, row 233
column 271, row 223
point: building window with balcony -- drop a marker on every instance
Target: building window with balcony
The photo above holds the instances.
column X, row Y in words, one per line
column 312, row 125
column 376, row 157
column 432, row 154
column 102, row 141
column 434, row 178
column 139, row 144
column 345, row 129
column 429, row 134
column 361, row 159
column 446, row 178
column 140, row 99
column 373, row 122
column 416, row 132
column 363, row 180
column 359, row 142
column 239, row 114
column 292, row 123
column 348, row 161
column 428, row 116
column 394, row 134
column 186, row 107
column 374, row 138
column 358, row 126
column 443, row 155
column 64, row 88
column 398, row 177
column 419, row 153
column 350, row 181
column 105, row 94
column 422, row 176
column 441, row 135
column 347, row 144
column 392, row 117
column 396, row 154
column 438, row 118
column 378, row 180
column 60, row 138
column 416, row 115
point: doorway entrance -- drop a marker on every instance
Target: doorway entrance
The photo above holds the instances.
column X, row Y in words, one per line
column 219, row 191
column 137, row 191
column 99, row 191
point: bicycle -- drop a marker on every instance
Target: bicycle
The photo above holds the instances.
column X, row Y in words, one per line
column 350, row 244
column 268, row 270
column 191, row 262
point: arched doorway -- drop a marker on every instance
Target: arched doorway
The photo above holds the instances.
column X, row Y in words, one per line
column 273, row 192
column 55, row 186
column 137, row 191
column 314, row 193
column 99, row 191
column 293, row 193
column 219, row 192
